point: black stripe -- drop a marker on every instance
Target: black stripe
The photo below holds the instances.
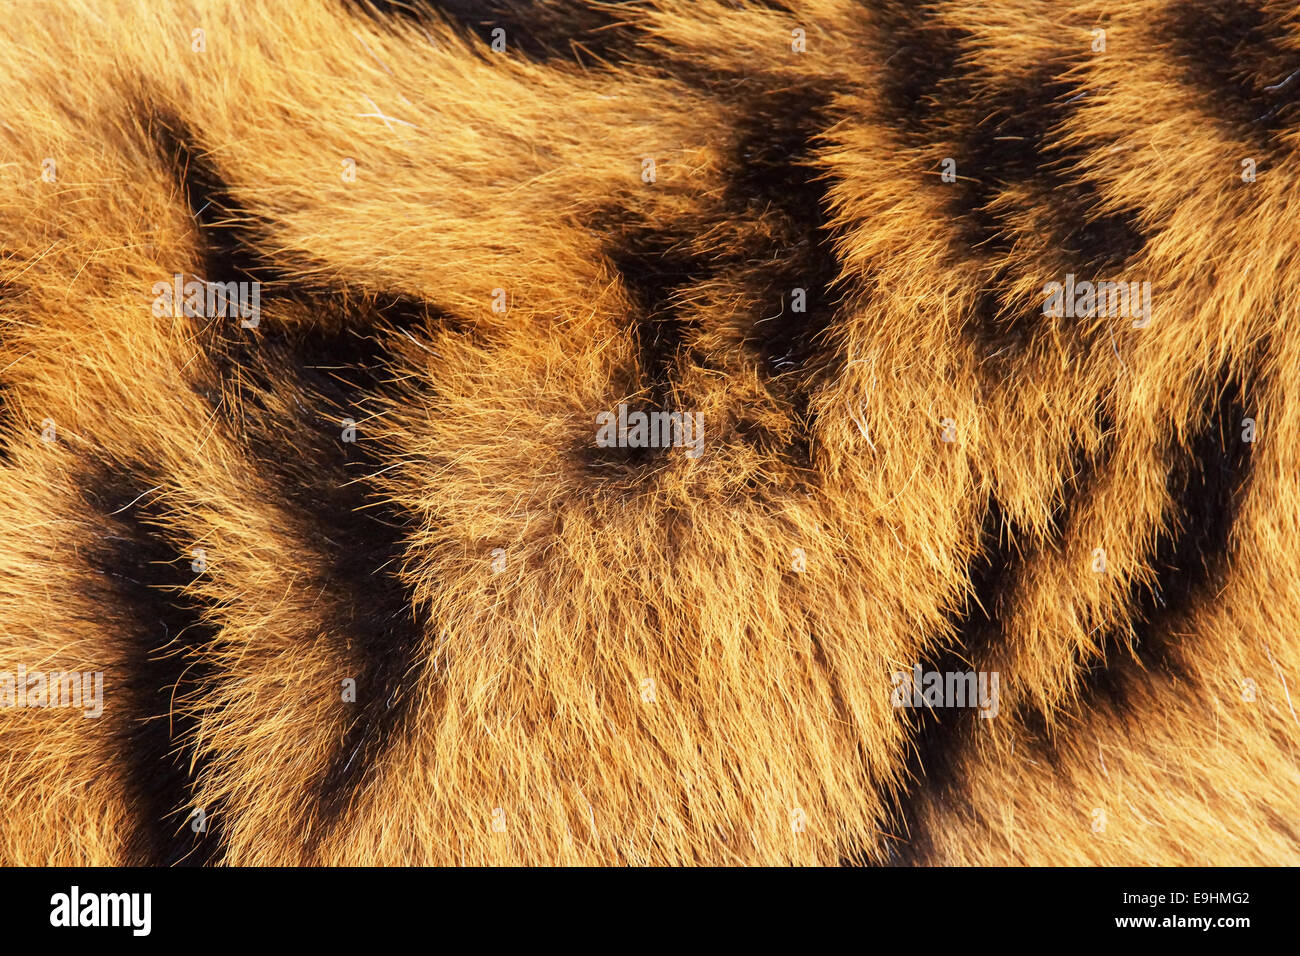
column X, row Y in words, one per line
column 773, row 176
column 917, row 59
column 6, row 429
column 1006, row 141
column 581, row 31
column 1085, row 468
column 1190, row 560
column 769, row 175
column 1237, row 58
column 322, row 374
column 999, row 130
column 940, row 738
column 1191, row 557
column 228, row 230
column 940, row 741
column 354, row 534
column 163, row 633
column 10, row 291
column 655, row 264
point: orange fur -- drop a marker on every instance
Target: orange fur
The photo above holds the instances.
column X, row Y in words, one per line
column 517, row 696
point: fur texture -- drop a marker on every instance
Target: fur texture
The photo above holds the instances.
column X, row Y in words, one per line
column 829, row 534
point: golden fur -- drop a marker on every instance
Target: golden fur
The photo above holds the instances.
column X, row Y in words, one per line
column 501, row 713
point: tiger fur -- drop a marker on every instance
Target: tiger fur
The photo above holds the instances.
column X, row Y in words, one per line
column 464, row 632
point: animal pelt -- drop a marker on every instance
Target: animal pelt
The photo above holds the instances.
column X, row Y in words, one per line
column 362, row 584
